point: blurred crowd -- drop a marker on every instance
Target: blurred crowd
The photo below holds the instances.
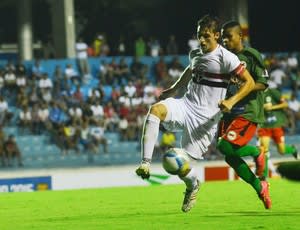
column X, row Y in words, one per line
column 115, row 99
column 76, row 108
column 100, row 46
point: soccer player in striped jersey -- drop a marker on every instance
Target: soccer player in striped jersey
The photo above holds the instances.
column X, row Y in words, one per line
column 196, row 113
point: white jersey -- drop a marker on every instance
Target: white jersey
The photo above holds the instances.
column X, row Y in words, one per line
column 211, row 73
column 197, row 113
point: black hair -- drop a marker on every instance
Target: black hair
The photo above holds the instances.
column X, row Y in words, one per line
column 231, row 24
column 210, row 22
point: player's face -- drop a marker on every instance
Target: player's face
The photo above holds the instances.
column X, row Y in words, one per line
column 231, row 39
column 208, row 39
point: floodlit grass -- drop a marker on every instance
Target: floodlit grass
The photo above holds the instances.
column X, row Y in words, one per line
column 221, row 205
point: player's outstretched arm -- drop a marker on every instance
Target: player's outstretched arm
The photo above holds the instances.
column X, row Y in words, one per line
column 182, row 81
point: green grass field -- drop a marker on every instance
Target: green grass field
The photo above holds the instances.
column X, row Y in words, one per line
column 220, row 205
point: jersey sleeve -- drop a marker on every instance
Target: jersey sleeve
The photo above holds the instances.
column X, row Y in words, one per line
column 258, row 67
column 262, row 74
column 232, row 64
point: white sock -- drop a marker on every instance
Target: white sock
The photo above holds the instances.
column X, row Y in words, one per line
column 190, row 179
column 150, row 134
column 271, row 167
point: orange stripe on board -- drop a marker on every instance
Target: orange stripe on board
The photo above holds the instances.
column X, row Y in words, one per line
column 216, row 173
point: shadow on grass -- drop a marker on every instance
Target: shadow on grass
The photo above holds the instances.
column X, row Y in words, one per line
column 262, row 213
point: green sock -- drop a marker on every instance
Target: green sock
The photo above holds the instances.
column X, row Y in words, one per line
column 289, row 149
column 242, row 170
column 266, row 170
column 225, row 147
column 229, row 149
column 247, row 150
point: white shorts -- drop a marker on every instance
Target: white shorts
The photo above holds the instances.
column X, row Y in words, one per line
column 198, row 130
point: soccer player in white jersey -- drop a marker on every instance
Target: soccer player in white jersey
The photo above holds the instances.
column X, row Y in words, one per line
column 197, row 113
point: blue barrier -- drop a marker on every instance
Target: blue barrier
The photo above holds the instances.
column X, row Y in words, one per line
column 94, row 62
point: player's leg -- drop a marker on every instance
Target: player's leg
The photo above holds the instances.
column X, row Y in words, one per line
column 190, row 195
column 156, row 114
column 283, row 149
column 273, row 169
column 238, row 133
column 192, row 182
column 238, row 164
column 195, row 141
column 264, row 141
column 171, row 111
column 243, row 171
column 197, row 136
column 178, row 162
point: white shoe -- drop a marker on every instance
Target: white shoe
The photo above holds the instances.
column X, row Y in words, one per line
column 190, row 198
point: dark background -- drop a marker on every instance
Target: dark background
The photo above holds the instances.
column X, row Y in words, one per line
column 273, row 25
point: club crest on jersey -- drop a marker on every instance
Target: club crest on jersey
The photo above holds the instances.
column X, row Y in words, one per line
column 265, row 73
column 231, row 135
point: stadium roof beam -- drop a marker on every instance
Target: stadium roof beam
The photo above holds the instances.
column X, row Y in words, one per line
column 63, row 27
column 24, row 9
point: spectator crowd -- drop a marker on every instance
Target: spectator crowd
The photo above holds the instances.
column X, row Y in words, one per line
column 75, row 107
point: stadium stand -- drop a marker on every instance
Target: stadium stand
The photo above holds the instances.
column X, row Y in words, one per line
column 39, row 151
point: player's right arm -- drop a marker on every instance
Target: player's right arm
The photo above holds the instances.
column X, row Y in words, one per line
column 259, row 86
column 182, row 81
column 247, row 86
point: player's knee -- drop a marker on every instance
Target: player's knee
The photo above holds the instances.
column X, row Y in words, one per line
column 225, row 147
column 159, row 110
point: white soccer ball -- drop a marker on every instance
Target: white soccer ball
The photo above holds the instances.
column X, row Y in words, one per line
column 176, row 162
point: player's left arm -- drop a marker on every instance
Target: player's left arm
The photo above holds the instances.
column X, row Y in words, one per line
column 281, row 105
column 245, row 88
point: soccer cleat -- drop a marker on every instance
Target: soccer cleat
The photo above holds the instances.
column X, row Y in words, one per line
column 264, row 194
column 260, row 162
column 295, row 154
column 143, row 170
column 190, row 198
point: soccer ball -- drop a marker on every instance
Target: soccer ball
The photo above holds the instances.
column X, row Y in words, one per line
column 176, row 162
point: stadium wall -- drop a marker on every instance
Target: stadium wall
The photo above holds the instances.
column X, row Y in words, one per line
column 101, row 177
